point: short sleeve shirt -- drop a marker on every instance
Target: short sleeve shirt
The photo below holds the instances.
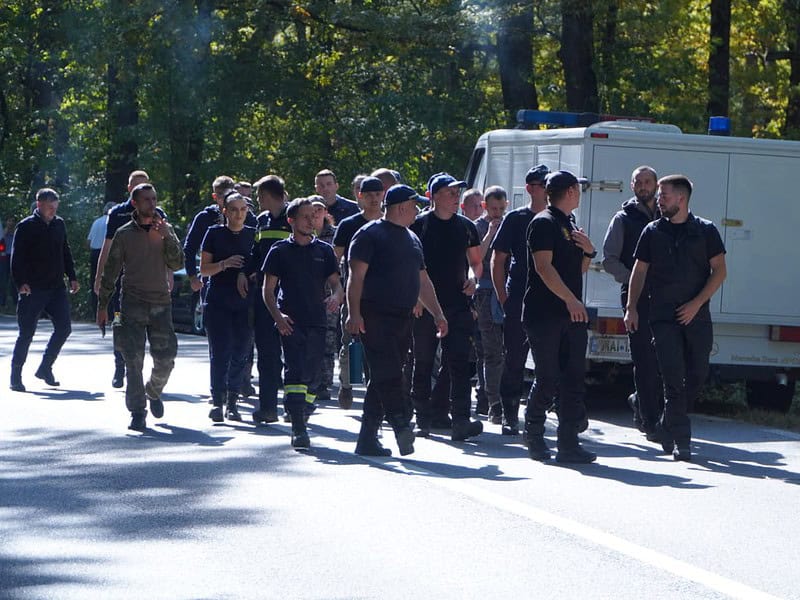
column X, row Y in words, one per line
column 445, row 245
column 512, row 238
column 302, row 271
column 551, row 230
column 395, row 258
column 341, row 209
column 223, row 243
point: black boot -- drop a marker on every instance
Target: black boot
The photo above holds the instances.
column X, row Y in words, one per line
column 300, row 439
column 16, row 379
column 119, row 376
column 403, row 433
column 215, row 414
column 569, row 448
column 231, row 412
column 464, row 429
column 368, row 443
column 537, row 448
column 45, row 372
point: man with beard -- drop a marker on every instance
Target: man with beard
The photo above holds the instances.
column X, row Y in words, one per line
column 148, row 251
column 680, row 259
column 623, row 232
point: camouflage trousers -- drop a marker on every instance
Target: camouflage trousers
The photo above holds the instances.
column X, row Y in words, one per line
column 139, row 322
column 324, row 376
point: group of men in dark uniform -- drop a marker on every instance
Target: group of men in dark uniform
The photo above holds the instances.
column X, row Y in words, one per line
column 410, row 278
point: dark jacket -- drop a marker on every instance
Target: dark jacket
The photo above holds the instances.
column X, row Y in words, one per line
column 40, row 255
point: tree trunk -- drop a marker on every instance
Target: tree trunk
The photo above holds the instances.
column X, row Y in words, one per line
column 607, row 55
column 123, row 116
column 577, row 55
column 719, row 58
column 791, row 128
column 515, row 59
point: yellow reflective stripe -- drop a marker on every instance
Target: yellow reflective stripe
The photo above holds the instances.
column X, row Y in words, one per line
column 272, row 234
column 310, row 398
column 298, row 388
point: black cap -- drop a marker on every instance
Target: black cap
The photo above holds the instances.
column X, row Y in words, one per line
column 537, row 174
column 562, row 180
column 399, row 193
column 371, row 184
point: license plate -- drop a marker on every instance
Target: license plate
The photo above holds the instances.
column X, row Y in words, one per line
column 610, row 346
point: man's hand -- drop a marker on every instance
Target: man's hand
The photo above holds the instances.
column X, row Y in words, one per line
column 332, row 303
column 577, row 311
column 418, row 309
column 74, row 286
column 354, row 324
column 284, row 324
column 582, row 241
column 160, row 226
column 441, row 326
column 195, row 283
column 632, row 320
column 687, row 312
column 234, row 262
column 101, row 318
column 469, row 287
column 25, row 289
column 242, row 285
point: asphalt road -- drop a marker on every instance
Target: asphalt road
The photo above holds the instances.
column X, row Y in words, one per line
column 189, row 509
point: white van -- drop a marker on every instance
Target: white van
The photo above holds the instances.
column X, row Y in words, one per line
column 745, row 186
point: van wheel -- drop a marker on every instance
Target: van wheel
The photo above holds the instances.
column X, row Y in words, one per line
column 769, row 395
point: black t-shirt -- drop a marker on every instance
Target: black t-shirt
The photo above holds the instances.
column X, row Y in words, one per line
column 302, row 272
column 341, row 209
column 445, row 246
column 512, row 238
column 552, row 230
column 395, row 258
column 222, row 243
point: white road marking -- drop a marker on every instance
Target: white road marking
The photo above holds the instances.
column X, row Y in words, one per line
column 679, row 568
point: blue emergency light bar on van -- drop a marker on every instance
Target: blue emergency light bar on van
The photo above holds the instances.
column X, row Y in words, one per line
column 527, row 118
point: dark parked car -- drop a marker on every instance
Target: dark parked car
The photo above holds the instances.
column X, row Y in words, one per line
column 187, row 310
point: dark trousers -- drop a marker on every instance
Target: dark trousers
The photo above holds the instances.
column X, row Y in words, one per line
column 683, row 352
column 559, row 351
column 646, row 376
column 455, row 364
column 386, row 342
column 515, row 344
column 229, row 341
column 29, row 309
column 268, row 345
column 303, row 350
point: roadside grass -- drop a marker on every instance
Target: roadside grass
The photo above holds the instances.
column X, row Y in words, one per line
column 730, row 400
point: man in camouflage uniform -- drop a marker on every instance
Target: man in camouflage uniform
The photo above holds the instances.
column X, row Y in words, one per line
column 148, row 251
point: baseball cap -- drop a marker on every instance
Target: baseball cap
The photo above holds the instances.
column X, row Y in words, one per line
column 440, row 180
column 537, row 174
column 371, row 184
column 561, row 180
column 399, row 193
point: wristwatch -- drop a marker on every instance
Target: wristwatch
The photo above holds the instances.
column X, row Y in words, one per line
column 592, row 255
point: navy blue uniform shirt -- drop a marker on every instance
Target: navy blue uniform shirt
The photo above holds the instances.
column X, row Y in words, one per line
column 512, row 238
column 342, row 208
column 270, row 229
column 395, row 258
column 223, row 243
column 211, row 215
column 302, row 272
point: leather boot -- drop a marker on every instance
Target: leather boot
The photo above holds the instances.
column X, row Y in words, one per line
column 368, row 443
column 119, row 376
column 231, row 412
column 16, row 379
column 45, row 372
column 403, row 433
column 569, row 448
column 215, row 414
